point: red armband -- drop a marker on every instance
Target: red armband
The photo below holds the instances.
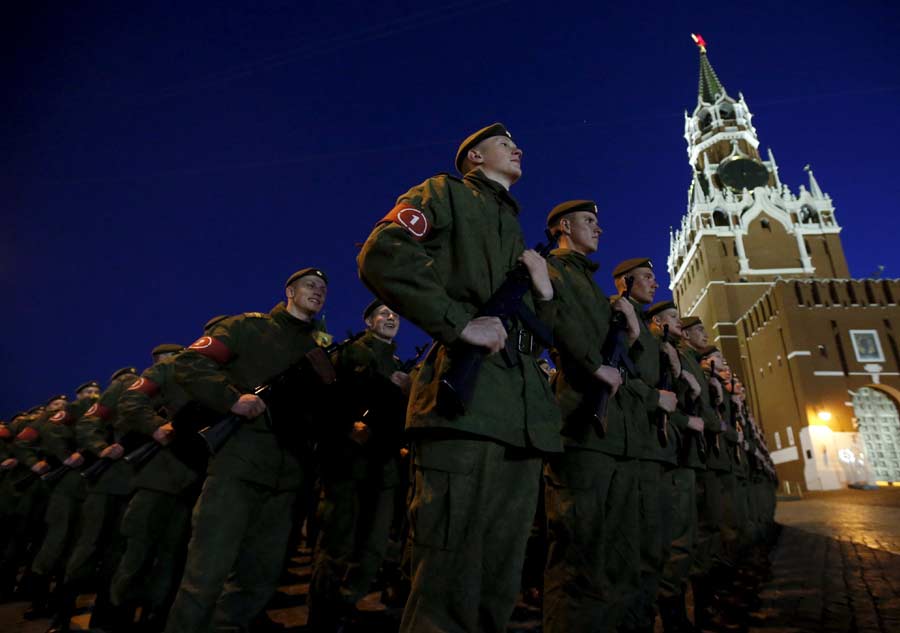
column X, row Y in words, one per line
column 60, row 417
column 5, row 433
column 98, row 410
column 29, row 434
column 144, row 385
column 212, row 348
column 411, row 219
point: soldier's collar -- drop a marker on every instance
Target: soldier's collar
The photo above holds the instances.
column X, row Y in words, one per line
column 280, row 313
column 578, row 258
column 373, row 341
column 480, row 181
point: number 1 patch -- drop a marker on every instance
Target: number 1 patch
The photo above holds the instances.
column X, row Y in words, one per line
column 411, row 219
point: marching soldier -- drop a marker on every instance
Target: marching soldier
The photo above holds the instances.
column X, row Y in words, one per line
column 97, row 538
column 591, row 489
column 242, row 519
column 360, row 470
column 156, row 523
column 51, row 448
column 436, row 258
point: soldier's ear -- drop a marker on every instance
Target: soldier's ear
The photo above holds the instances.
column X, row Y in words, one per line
column 474, row 157
column 290, row 291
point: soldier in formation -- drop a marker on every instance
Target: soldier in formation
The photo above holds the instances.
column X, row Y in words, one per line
column 173, row 491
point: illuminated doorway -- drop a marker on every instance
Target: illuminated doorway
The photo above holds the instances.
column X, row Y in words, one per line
column 879, row 426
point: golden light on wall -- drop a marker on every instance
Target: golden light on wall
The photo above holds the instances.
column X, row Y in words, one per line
column 823, row 415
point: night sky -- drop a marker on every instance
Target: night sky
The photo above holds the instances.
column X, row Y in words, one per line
column 164, row 162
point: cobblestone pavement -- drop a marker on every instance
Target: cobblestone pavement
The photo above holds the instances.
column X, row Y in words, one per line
column 835, row 567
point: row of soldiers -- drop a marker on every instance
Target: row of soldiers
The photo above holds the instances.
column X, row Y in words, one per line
column 652, row 471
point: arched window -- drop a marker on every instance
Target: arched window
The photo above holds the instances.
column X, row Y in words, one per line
column 719, row 218
column 808, row 215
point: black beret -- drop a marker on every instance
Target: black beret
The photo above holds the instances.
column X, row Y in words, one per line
column 712, row 349
column 497, row 129
column 570, row 207
column 373, row 305
column 61, row 396
column 216, row 319
column 122, row 372
column 303, row 272
column 166, row 348
column 690, row 321
column 661, row 306
column 89, row 383
column 630, row 264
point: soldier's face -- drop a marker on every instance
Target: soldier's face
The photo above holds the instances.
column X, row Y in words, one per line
column 308, row 294
column 645, row 285
column 56, row 405
column 582, row 230
column 696, row 336
column 89, row 392
column 669, row 317
column 500, row 155
column 384, row 323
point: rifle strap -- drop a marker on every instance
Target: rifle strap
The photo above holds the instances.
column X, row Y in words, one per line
column 321, row 364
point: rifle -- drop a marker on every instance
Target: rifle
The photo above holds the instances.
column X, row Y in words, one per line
column 735, row 424
column 410, row 363
column 664, row 384
column 717, row 408
column 185, row 420
column 615, row 349
column 93, row 472
column 316, row 362
column 25, row 482
column 457, row 385
column 690, row 408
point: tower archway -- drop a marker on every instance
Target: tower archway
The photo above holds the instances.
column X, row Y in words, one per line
column 876, row 412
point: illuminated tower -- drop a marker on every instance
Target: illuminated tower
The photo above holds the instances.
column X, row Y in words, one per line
column 743, row 228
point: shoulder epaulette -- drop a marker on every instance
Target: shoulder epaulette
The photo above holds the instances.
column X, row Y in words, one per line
column 255, row 315
column 451, row 177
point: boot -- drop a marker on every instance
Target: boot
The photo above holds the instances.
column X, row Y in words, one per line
column 40, row 598
column 65, row 610
column 673, row 613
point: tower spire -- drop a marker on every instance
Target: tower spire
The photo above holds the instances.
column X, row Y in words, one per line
column 710, row 86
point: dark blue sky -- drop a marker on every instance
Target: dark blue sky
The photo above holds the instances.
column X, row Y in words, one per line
column 167, row 161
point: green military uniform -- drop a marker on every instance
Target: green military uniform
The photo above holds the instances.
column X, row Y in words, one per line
column 685, row 521
column 156, row 523
column 358, row 482
column 591, row 490
column 55, row 443
column 28, row 504
column 436, row 259
column 655, row 482
column 242, row 518
column 98, row 539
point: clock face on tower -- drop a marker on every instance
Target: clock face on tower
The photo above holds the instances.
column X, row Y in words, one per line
column 739, row 172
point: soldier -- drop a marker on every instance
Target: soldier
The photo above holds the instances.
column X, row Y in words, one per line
column 436, row 258
column 51, row 448
column 30, row 497
column 591, row 489
column 242, row 519
column 709, row 488
column 658, row 448
column 97, row 532
column 360, row 470
column 156, row 523
column 690, row 420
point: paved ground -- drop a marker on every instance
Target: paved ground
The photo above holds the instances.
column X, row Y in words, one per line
column 836, row 567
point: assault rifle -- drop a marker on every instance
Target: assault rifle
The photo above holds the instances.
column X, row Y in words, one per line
column 615, row 350
column 690, row 408
column 315, row 364
column 93, row 472
column 457, row 386
column 716, row 407
column 664, row 384
column 187, row 419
